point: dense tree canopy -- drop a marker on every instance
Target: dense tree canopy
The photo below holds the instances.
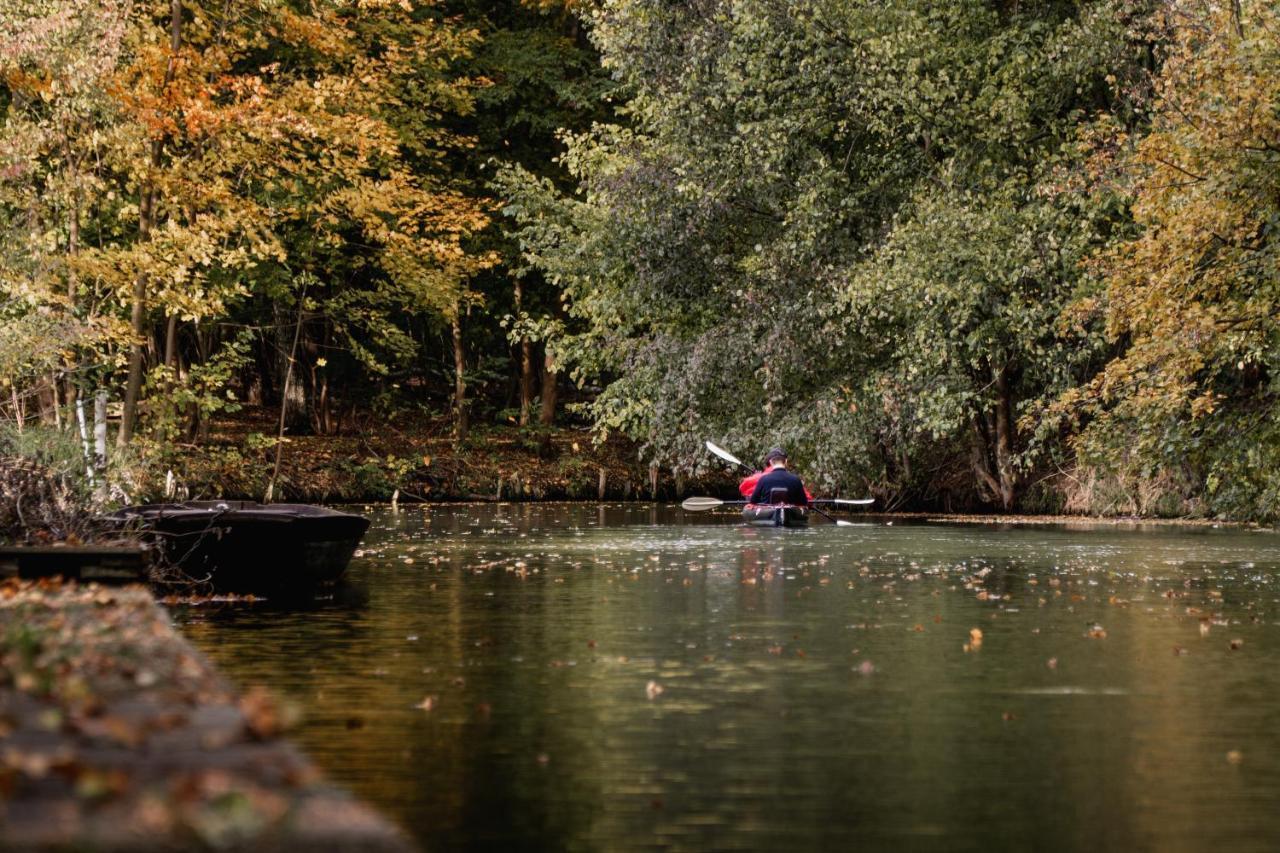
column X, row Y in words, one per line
column 1194, row 294
column 843, row 226
column 963, row 254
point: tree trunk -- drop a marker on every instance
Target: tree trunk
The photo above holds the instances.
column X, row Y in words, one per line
column 261, row 384
column 133, row 386
column 322, row 418
column 73, row 237
column 992, row 453
column 547, row 414
column 979, row 460
column 460, row 424
column 47, row 400
column 1004, row 438
column 284, row 399
column 526, row 363
column 171, row 344
column 293, row 393
column 146, row 210
column 100, row 431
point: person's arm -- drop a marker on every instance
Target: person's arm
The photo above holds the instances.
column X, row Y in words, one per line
column 748, row 486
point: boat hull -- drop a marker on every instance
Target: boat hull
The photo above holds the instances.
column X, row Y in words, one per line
column 775, row 515
column 240, row 546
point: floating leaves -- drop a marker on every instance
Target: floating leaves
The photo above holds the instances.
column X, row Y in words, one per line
column 653, row 690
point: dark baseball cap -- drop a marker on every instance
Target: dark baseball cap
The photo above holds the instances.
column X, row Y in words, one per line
column 775, row 453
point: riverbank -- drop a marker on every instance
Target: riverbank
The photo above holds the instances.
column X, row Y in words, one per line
column 116, row 734
column 414, row 458
column 1018, row 520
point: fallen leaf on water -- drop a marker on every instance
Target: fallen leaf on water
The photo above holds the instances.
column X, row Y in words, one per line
column 866, row 668
column 1008, row 716
column 653, row 690
column 1235, row 756
column 1179, row 650
column 917, row 627
column 427, row 703
column 1204, row 628
column 1236, row 644
column 1097, row 632
column 1052, row 663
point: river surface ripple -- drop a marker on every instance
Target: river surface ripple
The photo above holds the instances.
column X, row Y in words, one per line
column 620, row 677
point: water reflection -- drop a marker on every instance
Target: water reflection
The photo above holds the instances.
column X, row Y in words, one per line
column 621, row 677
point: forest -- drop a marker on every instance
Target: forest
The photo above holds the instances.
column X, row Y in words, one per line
column 1005, row 256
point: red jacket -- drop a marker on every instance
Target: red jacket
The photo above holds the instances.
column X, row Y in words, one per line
column 747, row 486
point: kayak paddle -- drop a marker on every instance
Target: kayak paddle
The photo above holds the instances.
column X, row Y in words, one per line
column 700, row 503
column 836, row 521
column 728, row 457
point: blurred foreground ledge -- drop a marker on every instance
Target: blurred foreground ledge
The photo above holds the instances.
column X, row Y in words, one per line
column 116, row 734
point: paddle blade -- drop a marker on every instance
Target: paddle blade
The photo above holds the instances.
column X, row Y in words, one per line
column 697, row 504
column 858, row 502
column 725, row 455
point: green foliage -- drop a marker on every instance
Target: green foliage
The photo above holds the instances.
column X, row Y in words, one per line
column 957, row 253
column 846, row 227
column 1193, row 296
column 58, row 451
column 202, row 392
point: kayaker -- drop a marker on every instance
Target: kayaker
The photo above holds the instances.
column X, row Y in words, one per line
column 758, row 488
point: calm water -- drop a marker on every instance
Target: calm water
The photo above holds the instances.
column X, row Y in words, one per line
column 631, row 677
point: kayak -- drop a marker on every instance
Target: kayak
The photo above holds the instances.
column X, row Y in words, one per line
column 775, row 515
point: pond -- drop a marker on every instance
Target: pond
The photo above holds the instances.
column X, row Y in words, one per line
column 582, row 677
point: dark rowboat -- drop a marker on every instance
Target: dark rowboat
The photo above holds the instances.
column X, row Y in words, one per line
column 240, row 546
column 775, row 515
